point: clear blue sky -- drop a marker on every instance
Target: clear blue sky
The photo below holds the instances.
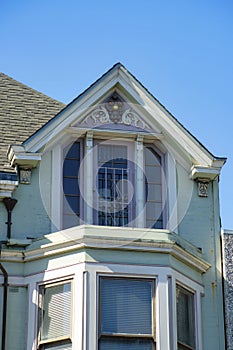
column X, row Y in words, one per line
column 181, row 50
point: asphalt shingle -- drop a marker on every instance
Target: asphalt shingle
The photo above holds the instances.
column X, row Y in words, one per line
column 23, row 111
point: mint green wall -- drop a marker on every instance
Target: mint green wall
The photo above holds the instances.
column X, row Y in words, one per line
column 16, row 318
column 29, row 217
column 201, row 227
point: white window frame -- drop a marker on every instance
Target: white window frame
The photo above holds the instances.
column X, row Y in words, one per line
column 198, row 292
column 110, row 142
column 153, row 305
column 169, row 190
column 41, row 343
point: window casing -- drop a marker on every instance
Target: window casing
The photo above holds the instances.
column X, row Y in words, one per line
column 54, row 316
column 126, row 313
column 114, row 186
column 71, row 180
column 114, row 205
column 154, row 202
column 185, row 319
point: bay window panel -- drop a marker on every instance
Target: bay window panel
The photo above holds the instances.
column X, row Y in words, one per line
column 185, row 318
column 71, row 191
column 126, row 306
column 112, row 197
column 153, row 188
column 55, row 312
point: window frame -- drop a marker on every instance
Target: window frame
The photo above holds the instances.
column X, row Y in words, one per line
column 58, row 156
column 164, row 192
column 130, row 158
column 80, row 180
column 188, row 291
column 151, row 337
column 61, row 339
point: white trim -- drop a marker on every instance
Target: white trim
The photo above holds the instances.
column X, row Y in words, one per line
column 157, row 114
column 163, row 306
column 171, row 190
column 139, row 185
column 198, row 318
column 56, row 189
column 85, row 290
column 88, row 178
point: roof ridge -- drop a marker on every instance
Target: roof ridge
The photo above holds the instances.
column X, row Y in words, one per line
column 18, row 83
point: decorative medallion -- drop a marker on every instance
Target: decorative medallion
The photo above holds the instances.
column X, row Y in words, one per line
column 25, row 176
column 114, row 111
column 202, row 188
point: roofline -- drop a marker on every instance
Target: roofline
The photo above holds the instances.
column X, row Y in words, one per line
column 116, row 66
column 82, row 94
column 224, row 159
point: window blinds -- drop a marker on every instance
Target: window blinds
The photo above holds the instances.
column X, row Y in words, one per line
column 55, row 312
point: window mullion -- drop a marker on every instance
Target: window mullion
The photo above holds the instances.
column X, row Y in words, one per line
column 140, row 200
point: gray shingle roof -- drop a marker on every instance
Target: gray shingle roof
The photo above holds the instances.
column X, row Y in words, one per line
column 22, row 112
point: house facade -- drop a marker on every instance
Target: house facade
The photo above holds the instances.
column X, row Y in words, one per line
column 112, row 235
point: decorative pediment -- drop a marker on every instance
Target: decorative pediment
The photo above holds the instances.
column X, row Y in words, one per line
column 114, row 110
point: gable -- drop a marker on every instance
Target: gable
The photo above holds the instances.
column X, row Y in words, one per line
column 136, row 111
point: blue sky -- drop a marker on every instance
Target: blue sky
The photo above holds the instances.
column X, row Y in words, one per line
column 182, row 51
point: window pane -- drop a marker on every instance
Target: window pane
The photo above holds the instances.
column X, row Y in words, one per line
column 153, row 189
column 71, row 167
column 126, row 306
column 151, row 158
column 55, row 311
column 71, row 191
column 126, row 344
column 63, row 346
column 70, row 186
column 113, row 187
column 185, row 316
column 73, row 151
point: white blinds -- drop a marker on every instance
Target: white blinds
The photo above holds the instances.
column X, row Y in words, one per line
column 55, row 313
column 126, row 306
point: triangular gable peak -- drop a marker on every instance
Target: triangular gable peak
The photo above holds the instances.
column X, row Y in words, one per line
column 118, row 101
column 114, row 113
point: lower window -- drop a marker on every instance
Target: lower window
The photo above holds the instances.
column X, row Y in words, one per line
column 126, row 314
column 54, row 316
column 185, row 319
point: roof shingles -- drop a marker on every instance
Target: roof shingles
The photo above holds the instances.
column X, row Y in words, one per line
column 22, row 112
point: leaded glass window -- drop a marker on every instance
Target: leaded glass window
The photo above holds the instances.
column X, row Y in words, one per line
column 113, row 192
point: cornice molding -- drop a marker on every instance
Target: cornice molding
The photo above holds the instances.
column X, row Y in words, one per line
column 18, row 156
column 90, row 237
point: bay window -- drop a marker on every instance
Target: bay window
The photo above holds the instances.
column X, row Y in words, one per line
column 116, row 197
